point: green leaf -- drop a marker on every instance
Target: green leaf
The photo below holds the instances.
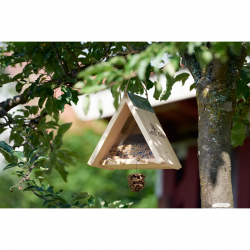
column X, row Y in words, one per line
column 94, row 88
column 91, row 201
column 43, row 169
column 40, row 158
column 172, row 66
column 58, row 198
column 238, row 134
column 22, row 164
column 55, row 110
column 34, row 151
column 80, row 196
column 113, row 204
column 4, row 78
column 7, row 148
column 58, row 70
column 74, row 94
column 192, row 86
column 86, row 104
column 65, row 157
column 242, row 89
column 12, row 165
column 18, row 140
column 64, row 128
column 18, row 173
column 33, row 188
column 115, row 94
column 158, row 90
column 149, row 84
column 41, row 101
column 142, row 68
column 127, row 205
column 103, row 203
column 60, row 167
column 182, row 77
column 37, row 59
column 167, row 92
column 61, row 102
column 18, row 76
column 9, row 158
column 27, row 69
column 19, row 87
column 118, row 60
column 19, row 155
column 33, row 110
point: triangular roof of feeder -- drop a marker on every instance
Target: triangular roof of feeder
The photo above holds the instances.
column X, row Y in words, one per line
column 144, row 116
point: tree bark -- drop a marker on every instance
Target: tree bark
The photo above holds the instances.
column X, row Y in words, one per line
column 216, row 97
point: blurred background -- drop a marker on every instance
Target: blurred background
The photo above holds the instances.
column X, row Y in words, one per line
column 164, row 188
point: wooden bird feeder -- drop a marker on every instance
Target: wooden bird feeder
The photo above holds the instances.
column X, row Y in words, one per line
column 134, row 139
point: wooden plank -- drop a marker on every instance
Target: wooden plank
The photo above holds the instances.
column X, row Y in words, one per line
column 138, row 115
column 131, row 164
column 165, row 147
column 140, row 166
column 149, row 121
column 128, row 161
column 113, row 129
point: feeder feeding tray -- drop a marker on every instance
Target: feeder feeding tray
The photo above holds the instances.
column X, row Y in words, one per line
column 134, row 139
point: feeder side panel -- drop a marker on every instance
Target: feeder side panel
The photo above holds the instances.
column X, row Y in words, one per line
column 161, row 140
column 138, row 115
column 113, row 129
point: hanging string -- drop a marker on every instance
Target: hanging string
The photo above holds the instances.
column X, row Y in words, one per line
column 126, row 87
column 145, row 88
column 125, row 90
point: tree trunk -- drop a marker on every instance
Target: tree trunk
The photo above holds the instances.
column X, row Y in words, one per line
column 215, row 107
column 216, row 97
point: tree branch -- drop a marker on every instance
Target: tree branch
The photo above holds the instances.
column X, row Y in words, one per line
column 128, row 52
column 4, row 124
column 15, row 101
column 17, row 146
column 192, row 64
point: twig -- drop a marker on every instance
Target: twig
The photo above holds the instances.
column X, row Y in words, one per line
column 17, row 146
column 126, row 87
column 38, row 118
column 7, row 122
column 16, row 100
column 145, row 88
column 107, row 51
column 128, row 52
column 4, row 125
column 129, row 47
column 39, row 195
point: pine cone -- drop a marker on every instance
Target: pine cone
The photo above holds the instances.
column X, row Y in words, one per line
column 136, row 182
